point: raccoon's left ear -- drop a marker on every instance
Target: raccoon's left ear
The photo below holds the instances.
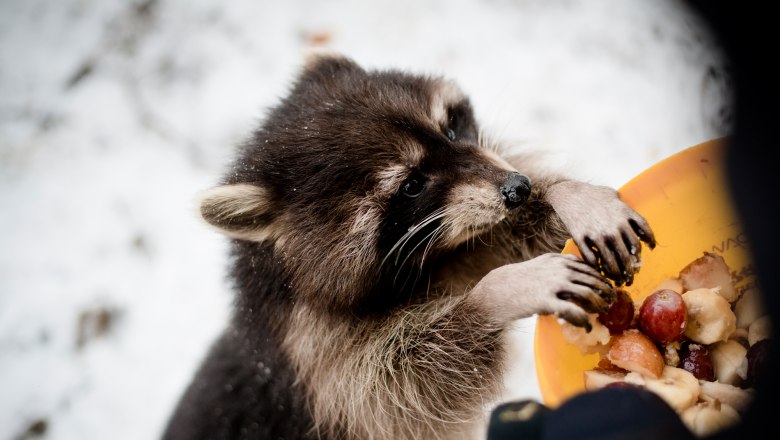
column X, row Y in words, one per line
column 327, row 61
column 239, row 210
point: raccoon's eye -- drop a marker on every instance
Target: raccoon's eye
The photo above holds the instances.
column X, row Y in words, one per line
column 451, row 134
column 414, row 186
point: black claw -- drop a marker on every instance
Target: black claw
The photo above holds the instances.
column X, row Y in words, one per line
column 633, row 249
column 618, row 260
column 648, row 239
column 577, row 320
column 565, row 296
column 599, row 265
column 645, row 236
column 594, row 250
column 607, row 296
column 612, row 276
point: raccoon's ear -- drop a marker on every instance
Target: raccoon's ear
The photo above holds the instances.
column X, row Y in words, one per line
column 319, row 60
column 239, row 210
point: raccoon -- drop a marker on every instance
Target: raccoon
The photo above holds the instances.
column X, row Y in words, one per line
column 381, row 248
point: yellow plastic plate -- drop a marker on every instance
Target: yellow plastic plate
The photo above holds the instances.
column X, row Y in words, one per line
column 685, row 199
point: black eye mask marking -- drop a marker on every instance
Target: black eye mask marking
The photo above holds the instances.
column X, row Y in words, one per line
column 461, row 125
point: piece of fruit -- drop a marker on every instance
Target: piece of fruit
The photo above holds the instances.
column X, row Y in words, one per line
column 748, row 308
column 696, row 359
column 742, row 371
column 599, row 378
column 670, row 284
column 740, row 335
column 709, row 271
column 606, row 365
column 758, row 360
column 594, row 341
column 636, row 379
column 735, row 397
column 619, row 315
column 759, row 330
column 727, row 358
column 634, row 351
column 710, row 318
column 663, row 316
column 679, row 388
column 672, row 354
column 707, row 418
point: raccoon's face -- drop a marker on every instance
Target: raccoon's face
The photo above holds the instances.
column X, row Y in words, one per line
column 359, row 171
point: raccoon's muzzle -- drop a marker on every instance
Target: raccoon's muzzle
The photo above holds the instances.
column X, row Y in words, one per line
column 515, row 190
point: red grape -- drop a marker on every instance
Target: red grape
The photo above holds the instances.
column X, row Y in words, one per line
column 619, row 315
column 758, row 357
column 663, row 316
column 696, row 359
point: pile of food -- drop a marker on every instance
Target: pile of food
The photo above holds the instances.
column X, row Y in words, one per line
column 694, row 341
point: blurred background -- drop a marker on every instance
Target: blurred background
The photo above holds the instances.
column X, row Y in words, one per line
column 115, row 114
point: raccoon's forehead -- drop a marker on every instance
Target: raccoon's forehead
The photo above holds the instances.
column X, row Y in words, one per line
column 428, row 110
column 366, row 128
column 429, row 100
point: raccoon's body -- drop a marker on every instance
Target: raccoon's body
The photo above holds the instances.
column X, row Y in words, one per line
column 379, row 253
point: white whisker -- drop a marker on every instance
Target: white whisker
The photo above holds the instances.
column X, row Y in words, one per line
column 415, row 228
column 399, row 245
column 409, row 254
column 440, row 232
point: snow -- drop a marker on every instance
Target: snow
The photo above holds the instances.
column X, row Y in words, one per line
column 115, row 114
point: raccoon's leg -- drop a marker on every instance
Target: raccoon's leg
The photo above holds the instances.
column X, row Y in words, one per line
column 243, row 390
column 550, row 284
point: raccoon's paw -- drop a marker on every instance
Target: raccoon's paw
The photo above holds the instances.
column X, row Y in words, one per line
column 607, row 232
column 571, row 289
column 550, row 284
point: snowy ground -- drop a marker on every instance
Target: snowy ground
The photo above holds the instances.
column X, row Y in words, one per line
column 114, row 114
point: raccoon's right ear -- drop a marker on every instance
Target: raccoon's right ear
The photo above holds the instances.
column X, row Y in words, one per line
column 239, row 210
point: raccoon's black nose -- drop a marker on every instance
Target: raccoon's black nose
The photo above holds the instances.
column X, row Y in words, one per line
column 516, row 190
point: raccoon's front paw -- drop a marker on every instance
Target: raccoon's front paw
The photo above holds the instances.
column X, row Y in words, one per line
column 550, row 284
column 607, row 232
column 570, row 289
